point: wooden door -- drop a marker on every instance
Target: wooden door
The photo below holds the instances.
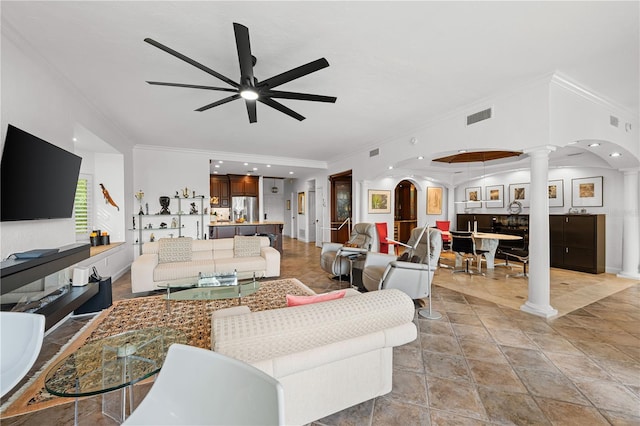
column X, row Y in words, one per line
column 341, row 203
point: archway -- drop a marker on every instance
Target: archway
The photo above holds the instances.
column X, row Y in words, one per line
column 405, row 210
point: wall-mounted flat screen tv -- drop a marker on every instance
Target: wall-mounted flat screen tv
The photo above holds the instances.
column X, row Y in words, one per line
column 37, row 179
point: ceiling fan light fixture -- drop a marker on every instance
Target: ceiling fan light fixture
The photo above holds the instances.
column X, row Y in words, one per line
column 249, row 94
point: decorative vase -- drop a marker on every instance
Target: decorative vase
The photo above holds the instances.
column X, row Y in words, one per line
column 164, row 203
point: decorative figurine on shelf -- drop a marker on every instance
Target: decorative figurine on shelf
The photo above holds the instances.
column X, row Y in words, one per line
column 134, row 222
column 107, row 197
column 139, row 196
column 185, row 192
column 194, row 194
column 152, row 237
column 163, row 225
column 174, row 223
column 146, row 207
column 164, row 203
column 176, row 196
column 194, row 209
column 206, row 210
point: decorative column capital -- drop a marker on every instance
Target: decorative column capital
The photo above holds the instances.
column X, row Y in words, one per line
column 540, row 151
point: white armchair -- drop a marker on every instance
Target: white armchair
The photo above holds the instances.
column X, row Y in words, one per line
column 200, row 387
column 364, row 239
column 411, row 277
column 20, row 344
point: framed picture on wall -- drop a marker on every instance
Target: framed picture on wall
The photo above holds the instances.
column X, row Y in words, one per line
column 586, row 192
column 300, row 202
column 519, row 192
column 556, row 193
column 434, row 200
column 494, row 196
column 379, row 201
column 473, row 197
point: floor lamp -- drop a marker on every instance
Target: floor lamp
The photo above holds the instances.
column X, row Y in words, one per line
column 424, row 313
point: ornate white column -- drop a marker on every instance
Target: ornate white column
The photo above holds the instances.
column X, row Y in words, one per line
column 363, row 186
column 539, row 297
column 630, row 227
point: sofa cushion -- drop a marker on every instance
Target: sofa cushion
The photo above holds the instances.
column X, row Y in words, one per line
column 307, row 300
column 174, row 249
column 241, row 264
column 246, row 246
column 177, row 270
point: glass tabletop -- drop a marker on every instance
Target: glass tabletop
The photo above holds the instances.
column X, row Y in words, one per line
column 112, row 363
column 213, row 286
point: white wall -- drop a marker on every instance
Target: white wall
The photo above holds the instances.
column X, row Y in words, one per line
column 273, row 204
column 163, row 172
column 43, row 103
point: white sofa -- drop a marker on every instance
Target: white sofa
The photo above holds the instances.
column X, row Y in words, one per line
column 328, row 356
column 184, row 258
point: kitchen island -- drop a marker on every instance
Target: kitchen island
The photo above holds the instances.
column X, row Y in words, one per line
column 230, row 229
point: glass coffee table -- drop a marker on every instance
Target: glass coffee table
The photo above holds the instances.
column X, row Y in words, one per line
column 231, row 285
column 112, row 363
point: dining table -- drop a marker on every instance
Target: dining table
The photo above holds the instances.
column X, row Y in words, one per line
column 488, row 241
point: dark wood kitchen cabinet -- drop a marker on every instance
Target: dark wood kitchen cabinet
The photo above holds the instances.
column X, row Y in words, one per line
column 578, row 242
column 219, row 191
column 243, row 185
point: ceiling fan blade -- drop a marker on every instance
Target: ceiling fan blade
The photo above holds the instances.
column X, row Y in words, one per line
column 251, row 110
column 217, row 103
column 244, row 54
column 193, row 86
column 191, row 62
column 292, row 74
column 277, row 105
column 301, row 96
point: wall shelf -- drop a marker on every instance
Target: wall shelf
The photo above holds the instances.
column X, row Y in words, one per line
column 154, row 219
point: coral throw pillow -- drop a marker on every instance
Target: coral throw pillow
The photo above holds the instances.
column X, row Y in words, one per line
column 306, row 300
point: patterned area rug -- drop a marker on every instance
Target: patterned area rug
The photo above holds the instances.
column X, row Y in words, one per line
column 191, row 317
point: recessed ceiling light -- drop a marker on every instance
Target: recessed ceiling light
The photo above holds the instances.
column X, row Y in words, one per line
column 75, row 139
column 421, row 158
column 615, row 154
column 290, row 173
column 215, row 172
column 220, row 162
column 462, row 151
column 268, row 165
column 390, row 167
column 255, row 168
column 246, row 164
column 594, row 144
column 216, row 165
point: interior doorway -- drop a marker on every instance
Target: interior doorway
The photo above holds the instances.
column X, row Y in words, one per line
column 311, row 217
column 405, row 210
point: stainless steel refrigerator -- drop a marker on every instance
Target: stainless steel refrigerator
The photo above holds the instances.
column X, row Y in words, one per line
column 245, row 207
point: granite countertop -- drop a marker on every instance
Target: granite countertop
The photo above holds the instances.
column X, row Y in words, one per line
column 264, row 222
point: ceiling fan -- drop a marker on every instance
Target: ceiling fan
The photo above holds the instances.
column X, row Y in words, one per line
column 250, row 88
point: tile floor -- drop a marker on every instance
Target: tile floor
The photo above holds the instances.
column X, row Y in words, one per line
column 484, row 362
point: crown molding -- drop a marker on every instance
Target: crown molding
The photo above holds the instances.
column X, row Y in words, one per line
column 234, row 156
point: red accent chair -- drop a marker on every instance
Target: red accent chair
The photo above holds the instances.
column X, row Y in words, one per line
column 382, row 237
column 444, row 225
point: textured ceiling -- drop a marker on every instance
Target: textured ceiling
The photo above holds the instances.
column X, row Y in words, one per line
column 393, row 65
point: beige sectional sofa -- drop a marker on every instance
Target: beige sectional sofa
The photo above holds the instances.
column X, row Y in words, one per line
column 170, row 259
column 329, row 355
